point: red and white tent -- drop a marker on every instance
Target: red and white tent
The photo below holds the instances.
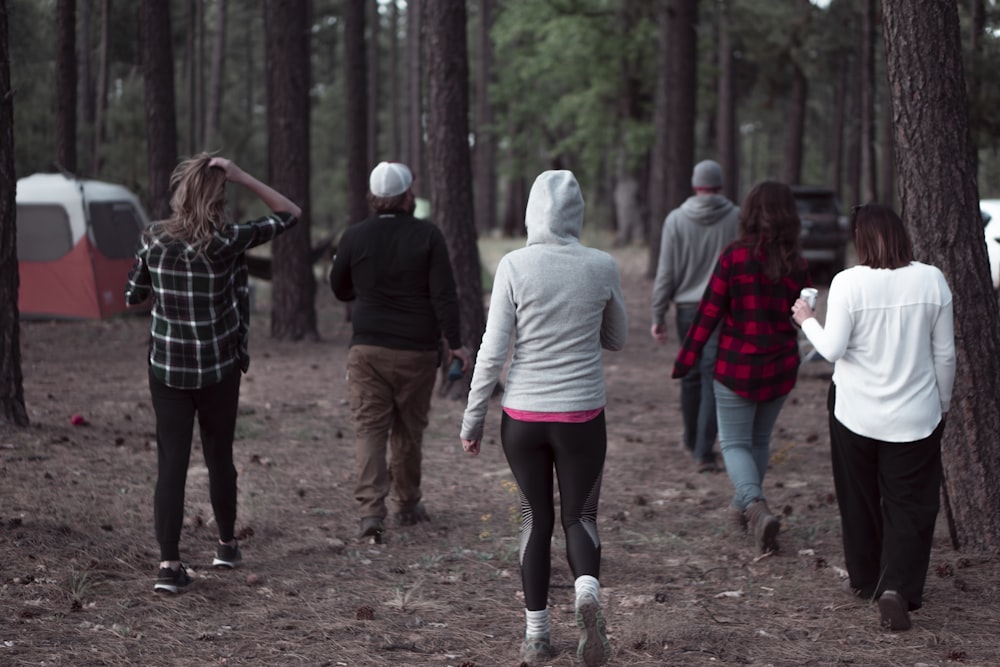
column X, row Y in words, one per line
column 75, row 243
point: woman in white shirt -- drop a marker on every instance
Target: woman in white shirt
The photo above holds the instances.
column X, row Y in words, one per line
column 889, row 333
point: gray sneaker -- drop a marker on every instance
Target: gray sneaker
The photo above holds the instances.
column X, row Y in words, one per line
column 594, row 648
column 227, row 556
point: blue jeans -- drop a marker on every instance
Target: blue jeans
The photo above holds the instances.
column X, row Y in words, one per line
column 697, row 398
column 745, row 435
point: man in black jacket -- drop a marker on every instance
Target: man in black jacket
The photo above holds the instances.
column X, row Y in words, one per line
column 396, row 270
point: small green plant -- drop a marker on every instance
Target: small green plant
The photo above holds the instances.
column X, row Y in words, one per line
column 79, row 585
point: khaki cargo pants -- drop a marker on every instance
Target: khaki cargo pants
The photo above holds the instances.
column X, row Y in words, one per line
column 390, row 394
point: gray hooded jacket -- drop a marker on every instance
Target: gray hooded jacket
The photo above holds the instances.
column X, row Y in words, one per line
column 560, row 302
column 694, row 235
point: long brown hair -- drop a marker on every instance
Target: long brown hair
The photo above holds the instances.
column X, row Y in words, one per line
column 198, row 203
column 880, row 237
column 770, row 225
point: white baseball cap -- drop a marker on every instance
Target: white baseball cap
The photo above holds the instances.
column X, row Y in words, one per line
column 389, row 179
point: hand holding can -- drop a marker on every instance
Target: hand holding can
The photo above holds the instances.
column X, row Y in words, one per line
column 809, row 294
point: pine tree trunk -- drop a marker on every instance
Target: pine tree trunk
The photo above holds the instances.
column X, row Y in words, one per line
column 373, row 84
column 85, row 86
column 869, row 187
column 485, row 174
column 658, row 207
column 940, row 204
column 66, row 84
column 293, row 285
column 414, row 95
column 356, row 77
column 12, row 409
column 449, row 162
column 161, row 120
column 727, row 137
column 213, row 112
column 101, row 94
column 791, row 166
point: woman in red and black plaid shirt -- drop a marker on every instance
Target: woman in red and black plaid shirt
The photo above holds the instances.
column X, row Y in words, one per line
column 756, row 280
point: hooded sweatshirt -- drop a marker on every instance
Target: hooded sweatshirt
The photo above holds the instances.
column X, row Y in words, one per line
column 694, row 235
column 560, row 302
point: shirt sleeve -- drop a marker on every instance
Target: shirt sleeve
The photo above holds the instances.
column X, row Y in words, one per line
column 943, row 349
column 614, row 324
column 340, row 271
column 139, row 286
column 492, row 354
column 712, row 309
column 664, row 283
column 831, row 341
column 239, row 238
column 444, row 297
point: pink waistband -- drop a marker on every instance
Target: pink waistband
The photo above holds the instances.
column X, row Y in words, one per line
column 577, row 417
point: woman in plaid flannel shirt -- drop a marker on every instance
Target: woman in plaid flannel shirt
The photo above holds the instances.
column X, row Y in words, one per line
column 194, row 266
column 755, row 282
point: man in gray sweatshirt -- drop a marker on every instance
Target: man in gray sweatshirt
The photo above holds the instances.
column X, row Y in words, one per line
column 694, row 235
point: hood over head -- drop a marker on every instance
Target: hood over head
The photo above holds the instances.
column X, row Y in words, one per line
column 555, row 208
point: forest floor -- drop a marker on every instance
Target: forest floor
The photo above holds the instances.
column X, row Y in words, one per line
column 78, row 556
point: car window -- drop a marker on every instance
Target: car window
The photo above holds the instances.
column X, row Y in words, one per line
column 823, row 205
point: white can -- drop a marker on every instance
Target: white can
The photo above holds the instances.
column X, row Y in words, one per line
column 809, row 294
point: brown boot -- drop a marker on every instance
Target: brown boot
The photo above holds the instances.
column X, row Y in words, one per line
column 737, row 519
column 763, row 525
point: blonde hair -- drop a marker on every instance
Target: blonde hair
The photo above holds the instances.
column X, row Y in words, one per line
column 198, row 203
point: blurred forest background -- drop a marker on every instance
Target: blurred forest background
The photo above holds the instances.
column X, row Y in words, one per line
column 786, row 90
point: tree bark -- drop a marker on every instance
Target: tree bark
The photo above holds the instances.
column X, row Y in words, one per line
column 977, row 30
column 727, row 137
column 213, row 112
column 394, row 101
column 869, row 186
column 12, row 409
column 658, row 207
column 839, row 114
column 791, row 167
column 66, row 84
column 85, row 86
column 373, row 83
column 940, row 204
column 682, row 47
column 449, row 162
column 293, row 285
column 414, row 95
column 161, row 120
column 486, row 175
column 356, row 82
column 101, row 95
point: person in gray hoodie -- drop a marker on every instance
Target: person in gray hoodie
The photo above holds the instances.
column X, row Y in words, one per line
column 694, row 235
column 561, row 303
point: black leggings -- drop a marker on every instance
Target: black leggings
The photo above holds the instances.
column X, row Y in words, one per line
column 216, row 407
column 577, row 451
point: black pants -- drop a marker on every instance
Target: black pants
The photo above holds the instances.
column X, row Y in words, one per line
column 577, row 452
column 889, row 496
column 216, row 406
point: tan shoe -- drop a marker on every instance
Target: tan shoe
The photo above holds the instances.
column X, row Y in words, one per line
column 763, row 525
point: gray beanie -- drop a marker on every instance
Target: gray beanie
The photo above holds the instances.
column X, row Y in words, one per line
column 707, row 174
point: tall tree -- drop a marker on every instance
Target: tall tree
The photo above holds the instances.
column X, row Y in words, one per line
column 726, row 138
column 869, row 167
column 449, row 162
column 12, row 409
column 393, row 95
column 485, row 156
column 374, row 82
column 682, row 46
column 66, row 84
column 791, row 165
column 161, row 118
column 940, row 204
column 356, row 94
column 85, row 83
column 101, row 94
column 414, row 93
column 213, row 107
column 658, row 205
column 293, row 285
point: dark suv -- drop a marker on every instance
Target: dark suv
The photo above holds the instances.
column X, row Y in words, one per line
column 825, row 230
